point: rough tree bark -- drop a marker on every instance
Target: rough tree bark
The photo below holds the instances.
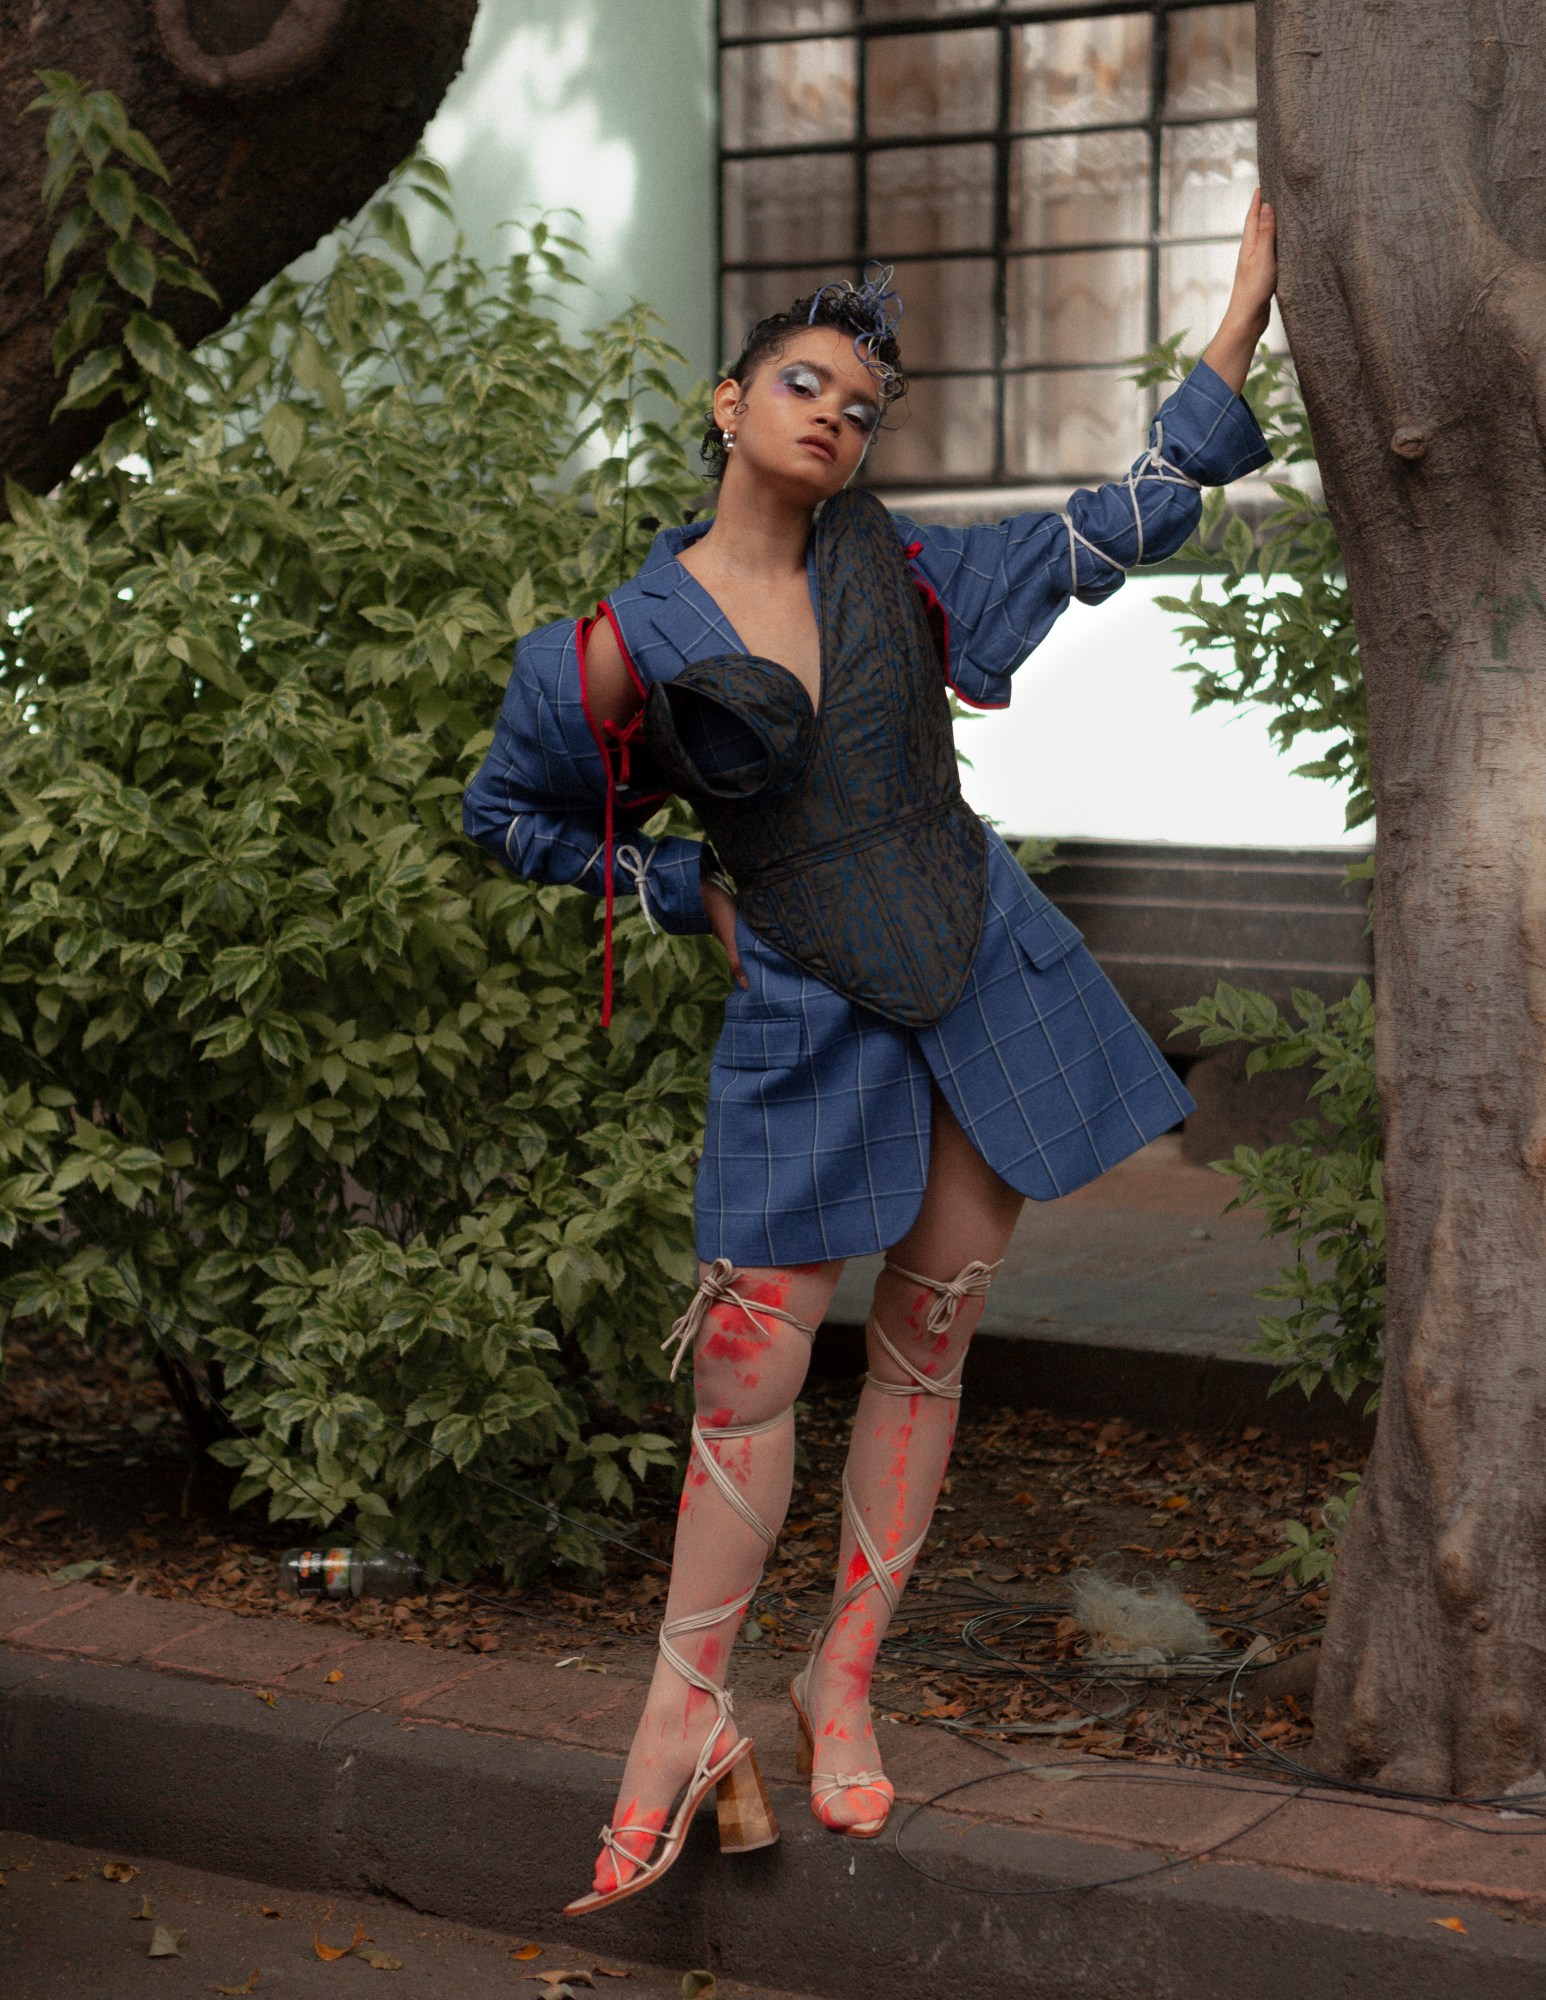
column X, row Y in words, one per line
column 1402, row 144
column 276, row 119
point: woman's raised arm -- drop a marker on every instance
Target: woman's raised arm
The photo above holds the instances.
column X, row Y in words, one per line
column 1231, row 349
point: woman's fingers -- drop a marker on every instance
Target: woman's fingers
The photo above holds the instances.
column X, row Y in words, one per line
column 720, row 908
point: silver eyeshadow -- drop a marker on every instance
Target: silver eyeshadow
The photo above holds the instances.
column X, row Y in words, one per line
column 803, row 379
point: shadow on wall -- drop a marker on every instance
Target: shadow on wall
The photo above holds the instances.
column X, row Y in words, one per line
column 604, row 109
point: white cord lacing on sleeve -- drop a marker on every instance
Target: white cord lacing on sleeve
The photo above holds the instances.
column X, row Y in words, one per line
column 509, row 836
column 637, row 865
column 1153, row 465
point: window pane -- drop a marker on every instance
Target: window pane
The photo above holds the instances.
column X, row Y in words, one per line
column 1074, row 425
column 770, row 17
column 931, row 198
column 789, row 208
column 1085, row 305
column 788, row 93
column 944, row 430
column 932, row 84
column 1082, row 72
column 898, row 10
column 748, row 296
column 1194, row 289
column 947, row 318
column 1089, row 187
column 1212, row 61
column 1206, row 178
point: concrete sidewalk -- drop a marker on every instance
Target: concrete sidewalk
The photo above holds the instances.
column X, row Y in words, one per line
column 471, row 1788
column 1134, row 1297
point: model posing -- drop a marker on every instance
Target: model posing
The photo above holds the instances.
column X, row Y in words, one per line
column 916, row 1039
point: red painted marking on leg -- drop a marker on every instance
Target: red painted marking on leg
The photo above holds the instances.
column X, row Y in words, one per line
column 613, row 1871
column 766, row 1291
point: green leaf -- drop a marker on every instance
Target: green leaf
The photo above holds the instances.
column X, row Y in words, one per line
column 77, row 228
column 155, row 347
column 283, row 430
column 112, row 194
column 155, row 214
column 94, row 379
column 132, row 266
column 313, row 372
column 142, row 152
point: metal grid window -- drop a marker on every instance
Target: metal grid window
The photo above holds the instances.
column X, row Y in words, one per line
column 1059, row 187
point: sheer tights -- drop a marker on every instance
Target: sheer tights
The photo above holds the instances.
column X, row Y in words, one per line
column 748, row 1369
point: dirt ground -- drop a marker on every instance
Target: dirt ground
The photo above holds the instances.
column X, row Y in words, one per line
column 95, row 1470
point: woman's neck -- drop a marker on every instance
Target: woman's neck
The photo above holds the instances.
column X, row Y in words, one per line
column 758, row 537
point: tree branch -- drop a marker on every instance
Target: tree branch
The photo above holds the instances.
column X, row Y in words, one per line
column 296, row 43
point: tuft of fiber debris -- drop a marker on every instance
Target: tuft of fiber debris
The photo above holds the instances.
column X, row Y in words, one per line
column 1148, row 1622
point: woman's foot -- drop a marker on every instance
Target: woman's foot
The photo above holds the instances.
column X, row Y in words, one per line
column 850, row 1792
column 676, row 1725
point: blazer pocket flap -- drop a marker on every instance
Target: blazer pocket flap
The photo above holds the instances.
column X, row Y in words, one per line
column 1043, row 933
column 762, row 1044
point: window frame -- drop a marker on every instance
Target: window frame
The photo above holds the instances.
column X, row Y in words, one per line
column 1002, row 135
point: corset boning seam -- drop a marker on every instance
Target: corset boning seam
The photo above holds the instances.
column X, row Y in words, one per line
column 834, row 850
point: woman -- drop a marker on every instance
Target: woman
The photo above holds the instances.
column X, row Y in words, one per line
column 916, row 1039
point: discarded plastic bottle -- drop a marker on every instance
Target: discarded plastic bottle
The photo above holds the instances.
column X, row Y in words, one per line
column 346, row 1572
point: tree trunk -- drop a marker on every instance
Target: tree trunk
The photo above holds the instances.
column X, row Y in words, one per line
column 1401, row 144
column 275, row 118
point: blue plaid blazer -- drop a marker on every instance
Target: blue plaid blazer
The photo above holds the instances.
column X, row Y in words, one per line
column 817, row 1142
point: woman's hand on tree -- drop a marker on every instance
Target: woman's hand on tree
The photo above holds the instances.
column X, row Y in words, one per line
column 1232, row 348
column 720, row 906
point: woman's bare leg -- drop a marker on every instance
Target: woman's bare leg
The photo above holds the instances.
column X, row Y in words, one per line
column 748, row 1369
column 901, row 1442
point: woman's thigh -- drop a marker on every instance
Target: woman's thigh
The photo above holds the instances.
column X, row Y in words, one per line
column 968, row 1213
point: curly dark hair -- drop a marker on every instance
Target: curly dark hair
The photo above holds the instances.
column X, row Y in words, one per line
column 840, row 307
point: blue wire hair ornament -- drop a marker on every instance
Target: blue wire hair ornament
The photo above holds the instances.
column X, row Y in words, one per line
column 872, row 305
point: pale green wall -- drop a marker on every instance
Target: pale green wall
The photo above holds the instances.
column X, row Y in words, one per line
column 606, row 107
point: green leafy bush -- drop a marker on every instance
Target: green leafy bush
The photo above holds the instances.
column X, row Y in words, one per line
column 1322, row 1190
column 288, row 1073
column 1285, row 625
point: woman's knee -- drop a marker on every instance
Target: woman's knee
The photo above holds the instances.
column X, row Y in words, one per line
column 750, row 1360
column 924, row 1319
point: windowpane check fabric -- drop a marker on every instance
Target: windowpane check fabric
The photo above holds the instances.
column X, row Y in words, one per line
column 816, row 1143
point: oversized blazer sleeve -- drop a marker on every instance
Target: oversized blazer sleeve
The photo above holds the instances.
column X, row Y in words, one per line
column 538, row 802
column 1001, row 586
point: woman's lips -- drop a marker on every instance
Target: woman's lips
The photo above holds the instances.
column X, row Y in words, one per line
column 821, row 444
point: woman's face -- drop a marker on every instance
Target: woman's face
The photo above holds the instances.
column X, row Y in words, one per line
column 804, row 417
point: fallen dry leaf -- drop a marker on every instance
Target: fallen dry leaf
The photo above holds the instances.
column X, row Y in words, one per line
column 248, row 1985
column 268, row 1695
column 118, row 1871
column 698, row 1986
column 610, row 1971
column 72, row 1877
column 165, row 1943
column 484, row 1642
column 332, row 1679
column 268, row 1910
column 527, row 1951
column 1451, row 1924
column 144, row 1914
column 332, row 1951
column 379, row 1960
column 579, row 1978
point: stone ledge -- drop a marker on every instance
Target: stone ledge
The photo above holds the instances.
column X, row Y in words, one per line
column 476, row 1794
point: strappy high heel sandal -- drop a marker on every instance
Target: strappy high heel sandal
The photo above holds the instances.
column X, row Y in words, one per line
column 746, row 1820
column 746, row 1817
column 972, row 1282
